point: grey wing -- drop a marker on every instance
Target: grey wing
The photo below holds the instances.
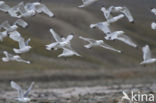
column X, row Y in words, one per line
column 29, row 89
column 126, row 39
column 87, row 39
column 42, row 8
column 146, row 52
column 55, row 35
column 4, row 7
column 69, row 38
column 18, row 88
column 21, row 43
column 128, row 14
column 106, row 46
column 15, row 35
column 21, row 23
column 104, row 27
column 5, row 25
column 22, row 9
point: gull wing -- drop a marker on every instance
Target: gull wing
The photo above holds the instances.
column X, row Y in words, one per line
column 69, row 38
column 106, row 46
column 104, row 26
column 21, row 43
column 27, row 42
column 21, row 23
column 4, row 7
column 5, row 25
column 146, row 52
column 18, row 88
column 29, row 89
column 55, row 35
column 115, row 19
column 42, row 8
column 7, row 54
column 87, row 39
column 128, row 14
column 126, row 39
column 68, row 52
column 22, row 9
column 15, row 35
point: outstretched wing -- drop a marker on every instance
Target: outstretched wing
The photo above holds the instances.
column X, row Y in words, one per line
column 4, row 7
column 21, row 23
column 55, row 35
column 29, row 89
column 126, row 39
column 15, row 35
column 146, row 52
column 87, row 39
column 21, row 43
column 5, row 25
column 42, row 8
column 106, row 46
column 27, row 42
column 69, row 38
column 68, row 52
column 128, row 14
column 18, row 88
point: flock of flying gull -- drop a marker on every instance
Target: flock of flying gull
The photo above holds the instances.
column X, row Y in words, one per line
column 31, row 9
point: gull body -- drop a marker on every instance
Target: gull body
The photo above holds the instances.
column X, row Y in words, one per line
column 9, row 57
column 22, row 97
column 62, row 43
column 95, row 43
column 119, row 35
column 23, row 46
column 147, row 59
column 5, row 25
column 87, row 3
column 119, row 9
column 104, row 26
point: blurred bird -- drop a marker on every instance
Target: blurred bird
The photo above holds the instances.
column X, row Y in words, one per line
column 95, row 43
column 119, row 35
column 3, row 34
column 119, row 9
column 147, row 59
column 62, row 43
column 87, row 3
column 153, row 26
column 21, row 23
column 104, row 26
column 10, row 57
column 4, row 7
column 22, row 97
column 23, row 46
column 153, row 10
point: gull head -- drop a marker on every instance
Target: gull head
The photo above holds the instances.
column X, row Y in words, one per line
column 5, row 52
column 92, row 25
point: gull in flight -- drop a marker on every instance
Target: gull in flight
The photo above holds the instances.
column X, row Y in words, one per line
column 153, row 10
column 119, row 35
column 4, row 7
column 104, row 26
column 112, row 9
column 10, row 57
column 147, row 59
column 23, row 46
column 5, row 25
column 62, row 43
column 87, row 3
column 94, row 43
column 153, row 26
column 22, row 97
